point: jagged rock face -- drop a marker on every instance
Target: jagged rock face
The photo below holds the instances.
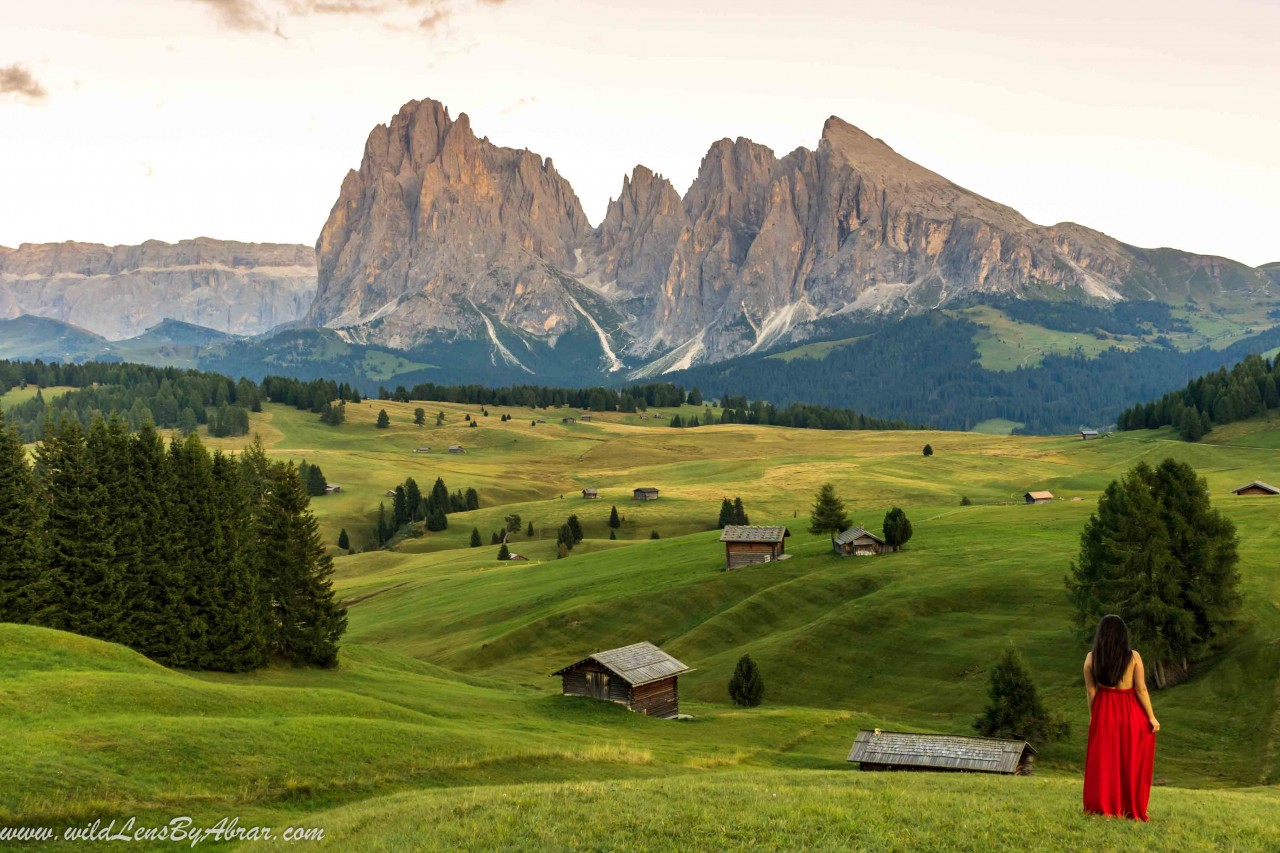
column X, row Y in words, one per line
column 441, row 232
column 438, row 226
column 120, row 291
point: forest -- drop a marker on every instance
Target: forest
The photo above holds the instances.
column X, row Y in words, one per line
column 1222, row 397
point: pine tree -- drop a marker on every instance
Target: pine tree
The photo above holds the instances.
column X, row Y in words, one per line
column 613, row 535
column 381, row 531
column 237, row 616
column 399, row 508
column 437, row 520
column 439, row 497
column 564, row 536
column 316, row 484
column 307, row 620
column 964, row 501
column 413, row 499
column 344, row 541
column 739, row 512
column 928, row 450
column 653, row 534
column 575, row 527
column 897, row 528
column 1014, row 709
column 472, row 500
column 828, row 515
column 20, row 526
column 384, row 420
column 726, row 514
column 529, row 532
column 475, row 537
column 504, row 553
column 420, row 417
column 746, row 687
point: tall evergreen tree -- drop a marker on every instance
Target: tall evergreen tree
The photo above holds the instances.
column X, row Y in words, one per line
column 20, row 525
column 739, row 512
column 726, row 514
column 413, row 499
column 529, row 531
column 307, row 621
column 238, row 619
column 384, row 420
column 473, row 500
column 1014, row 709
column 400, row 508
column 897, row 528
column 437, row 520
column 439, row 495
column 575, row 528
column 475, row 537
column 420, row 416
column 344, row 541
column 614, row 521
column 746, row 687
column 504, row 553
column 828, row 515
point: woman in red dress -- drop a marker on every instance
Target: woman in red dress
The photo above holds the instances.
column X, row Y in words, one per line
column 1122, row 726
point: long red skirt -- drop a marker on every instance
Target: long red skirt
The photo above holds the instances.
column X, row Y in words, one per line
column 1120, row 756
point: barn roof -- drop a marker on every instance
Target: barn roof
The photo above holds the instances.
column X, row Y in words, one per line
column 1258, row 484
column 1040, row 496
column 639, row 663
column 939, row 752
column 1088, row 432
column 753, row 533
column 854, row 533
column 646, row 489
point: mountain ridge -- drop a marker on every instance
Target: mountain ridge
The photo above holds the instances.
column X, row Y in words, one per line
column 441, row 235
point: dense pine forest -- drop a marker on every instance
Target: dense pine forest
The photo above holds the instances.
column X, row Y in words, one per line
column 1222, row 397
column 197, row 560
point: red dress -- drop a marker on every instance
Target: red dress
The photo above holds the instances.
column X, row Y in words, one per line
column 1120, row 756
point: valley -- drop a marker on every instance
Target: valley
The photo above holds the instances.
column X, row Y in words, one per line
column 442, row 708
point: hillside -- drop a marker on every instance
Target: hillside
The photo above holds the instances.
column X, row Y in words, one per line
column 442, row 703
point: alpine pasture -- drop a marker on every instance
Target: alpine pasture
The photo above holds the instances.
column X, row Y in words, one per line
column 441, row 727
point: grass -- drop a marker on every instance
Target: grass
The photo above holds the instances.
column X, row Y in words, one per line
column 1006, row 344
column 818, row 350
column 442, row 728
column 997, row 426
column 17, row 396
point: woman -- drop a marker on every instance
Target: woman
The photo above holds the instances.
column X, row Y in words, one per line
column 1122, row 726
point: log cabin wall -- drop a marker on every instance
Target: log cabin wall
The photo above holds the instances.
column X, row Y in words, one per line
column 738, row 554
column 657, row 698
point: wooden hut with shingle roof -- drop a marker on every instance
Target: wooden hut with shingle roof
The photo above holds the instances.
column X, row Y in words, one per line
column 878, row 750
column 641, row 676
column 1257, row 487
column 749, row 544
column 859, row 542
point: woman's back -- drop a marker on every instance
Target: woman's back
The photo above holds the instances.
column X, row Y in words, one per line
column 1125, row 681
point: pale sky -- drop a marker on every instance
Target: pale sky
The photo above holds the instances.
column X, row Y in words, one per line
column 1156, row 121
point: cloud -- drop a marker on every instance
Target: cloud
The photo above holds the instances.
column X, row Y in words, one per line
column 435, row 18
column 243, row 15
column 16, row 81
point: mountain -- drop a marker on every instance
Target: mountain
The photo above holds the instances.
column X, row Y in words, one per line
column 121, row 291
column 29, row 338
column 442, row 236
column 1273, row 270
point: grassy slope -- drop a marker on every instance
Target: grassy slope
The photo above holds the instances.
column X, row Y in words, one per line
column 1005, row 343
column 442, row 702
column 15, row 396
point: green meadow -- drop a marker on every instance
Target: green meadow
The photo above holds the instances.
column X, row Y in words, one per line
column 442, row 728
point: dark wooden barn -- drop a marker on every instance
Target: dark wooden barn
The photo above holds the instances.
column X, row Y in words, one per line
column 878, row 750
column 857, row 542
column 591, row 494
column 1086, row 434
column 641, row 676
column 745, row 545
column 645, row 494
column 1257, row 487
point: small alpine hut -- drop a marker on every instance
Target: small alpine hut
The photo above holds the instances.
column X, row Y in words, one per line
column 591, row 494
column 640, row 676
column 877, row 750
column 333, row 489
column 422, row 449
column 746, row 545
column 568, row 421
column 456, row 448
column 858, row 542
column 585, row 418
column 1086, row 434
column 1257, row 487
column 1038, row 497
column 646, row 494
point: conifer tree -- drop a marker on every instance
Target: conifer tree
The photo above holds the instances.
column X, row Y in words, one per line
column 928, row 450
column 344, row 541
column 439, row 496
column 307, row 621
column 613, row 535
column 413, row 499
column 828, row 515
column 236, row 615
column 437, row 520
column 381, row 531
column 897, row 528
column 384, row 420
column 504, row 553
column 399, row 508
column 1014, row 709
column 739, row 512
column 475, row 537
column 565, row 536
column 472, row 500
column 420, row 417
column 20, row 524
column 653, row 534
column 614, row 521
column 726, row 514
column 80, row 590
column 746, row 687
column 529, row 532
column 575, row 528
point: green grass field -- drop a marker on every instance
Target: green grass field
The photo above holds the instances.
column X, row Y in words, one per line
column 441, row 728
column 15, row 396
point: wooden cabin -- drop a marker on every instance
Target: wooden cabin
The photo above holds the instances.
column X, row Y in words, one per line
column 858, row 542
column 591, row 494
column 879, row 750
column 641, row 676
column 746, row 545
column 1038, row 497
column 568, row 421
column 585, row 418
column 1086, row 434
column 1257, row 487
column 456, row 448
column 423, row 449
column 646, row 494
column 334, row 488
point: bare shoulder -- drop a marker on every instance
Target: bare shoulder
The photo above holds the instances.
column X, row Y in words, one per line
column 1088, row 660
column 1137, row 657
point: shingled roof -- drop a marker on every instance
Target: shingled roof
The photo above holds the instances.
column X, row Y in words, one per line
column 939, row 752
column 1039, row 496
column 753, row 533
column 639, row 663
column 854, row 533
column 1258, row 484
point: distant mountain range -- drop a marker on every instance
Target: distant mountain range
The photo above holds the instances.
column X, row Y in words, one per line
column 119, row 292
column 442, row 236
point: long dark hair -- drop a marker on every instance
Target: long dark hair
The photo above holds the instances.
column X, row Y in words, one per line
column 1111, row 651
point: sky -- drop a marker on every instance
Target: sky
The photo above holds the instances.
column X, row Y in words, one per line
column 1156, row 121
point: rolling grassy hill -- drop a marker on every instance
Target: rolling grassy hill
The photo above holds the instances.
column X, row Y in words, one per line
column 442, row 728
